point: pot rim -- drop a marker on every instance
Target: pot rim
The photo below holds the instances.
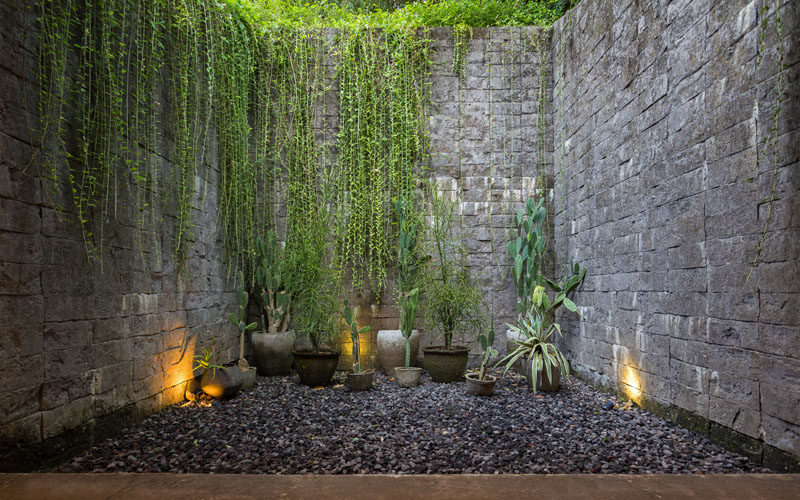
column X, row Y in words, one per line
column 440, row 349
column 323, row 353
column 369, row 372
column 489, row 378
column 409, row 369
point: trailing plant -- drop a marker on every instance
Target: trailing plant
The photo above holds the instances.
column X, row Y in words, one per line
column 452, row 302
column 461, row 36
column 351, row 318
column 240, row 320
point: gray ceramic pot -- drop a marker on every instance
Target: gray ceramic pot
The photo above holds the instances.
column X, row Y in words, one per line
column 446, row 365
column 392, row 349
column 480, row 387
column 315, row 368
column 222, row 382
column 273, row 352
column 407, row 377
column 359, row 381
column 542, row 382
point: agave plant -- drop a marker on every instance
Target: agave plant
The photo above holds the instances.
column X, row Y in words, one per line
column 536, row 333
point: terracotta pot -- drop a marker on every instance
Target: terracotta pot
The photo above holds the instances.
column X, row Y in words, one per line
column 446, row 366
column 360, row 381
column 480, row 387
column 222, row 382
column 315, row 368
column 392, row 349
column 407, row 377
column 273, row 352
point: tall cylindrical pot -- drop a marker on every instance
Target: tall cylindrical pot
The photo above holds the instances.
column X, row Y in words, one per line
column 273, row 352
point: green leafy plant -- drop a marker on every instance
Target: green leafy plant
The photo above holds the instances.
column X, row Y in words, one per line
column 240, row 320
column 275, row 288
column 487, row 349
column 535, row 343
column 452, row 301
column 351, row 317
column 204, row 360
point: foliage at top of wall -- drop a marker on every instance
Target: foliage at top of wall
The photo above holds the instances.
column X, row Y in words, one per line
column 346, row 14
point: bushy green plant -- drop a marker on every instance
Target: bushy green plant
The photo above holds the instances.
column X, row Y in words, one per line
column 452, row 301
column 351, row 318
column 240, row 319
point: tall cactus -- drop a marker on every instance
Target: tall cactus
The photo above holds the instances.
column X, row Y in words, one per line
column 276, row 298
column 527, row 252
column 408, row 311
column 408, row 265
column 240, row 320
column 351, row 317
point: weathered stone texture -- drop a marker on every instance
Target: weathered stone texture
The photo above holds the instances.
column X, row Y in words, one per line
column 82, row 348
column 661, row 110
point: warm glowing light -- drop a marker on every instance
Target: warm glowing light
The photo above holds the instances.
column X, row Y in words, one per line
column 631, row 384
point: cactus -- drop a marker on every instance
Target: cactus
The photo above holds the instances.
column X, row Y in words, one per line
column 239, row 320
column 408, row 310
column 276, row 299
column 527, row 252
column 351, row 317
column 487, row 349
column 409, row 264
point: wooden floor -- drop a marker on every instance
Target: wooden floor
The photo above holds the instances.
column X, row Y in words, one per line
column 374, row 487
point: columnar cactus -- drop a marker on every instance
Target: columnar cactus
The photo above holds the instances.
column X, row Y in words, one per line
column 527, row 252
column 239, row 320
column 351, row 317
column 276, row 299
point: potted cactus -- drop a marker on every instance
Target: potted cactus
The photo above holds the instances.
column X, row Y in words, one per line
column 240, row 321
column 407, row 375
column 481, row 383
column 359, row 380
column 272, row 347
column 217, row 381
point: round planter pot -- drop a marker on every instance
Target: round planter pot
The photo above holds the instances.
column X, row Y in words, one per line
column 392, row 349
column 359, row 381
column 480, row 387
column 542, row 382
column 273, row 352
column 222, row 383
column 248, row 377
column 315, row 368
column 511, row 336
column 446, row 366
column 407, row 377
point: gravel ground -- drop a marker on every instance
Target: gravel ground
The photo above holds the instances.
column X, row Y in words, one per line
column 282, row 427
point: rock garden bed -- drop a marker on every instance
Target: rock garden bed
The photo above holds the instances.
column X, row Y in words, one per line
column 282, row 427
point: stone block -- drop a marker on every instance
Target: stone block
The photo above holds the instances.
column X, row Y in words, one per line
column 69, row 416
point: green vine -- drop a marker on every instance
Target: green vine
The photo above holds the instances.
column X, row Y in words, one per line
column 461, row 37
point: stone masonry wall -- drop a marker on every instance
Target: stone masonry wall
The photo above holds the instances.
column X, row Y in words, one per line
column 85, row 350
column 661, row 110
column 486, row 156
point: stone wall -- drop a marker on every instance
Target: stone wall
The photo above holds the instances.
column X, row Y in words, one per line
column 85, row 350
column 661, row 112
column 486, row 155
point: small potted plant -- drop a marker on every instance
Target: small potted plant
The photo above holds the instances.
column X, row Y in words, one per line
column 272, row 347
column 481, row 383
column 452, row 302
column 407, row 375
column 217, row 381
column 392, row 345
column 359, row 380
column 239, row 320
column 543, row 363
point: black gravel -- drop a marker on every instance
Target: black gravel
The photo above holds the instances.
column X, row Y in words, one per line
column 282, row 427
